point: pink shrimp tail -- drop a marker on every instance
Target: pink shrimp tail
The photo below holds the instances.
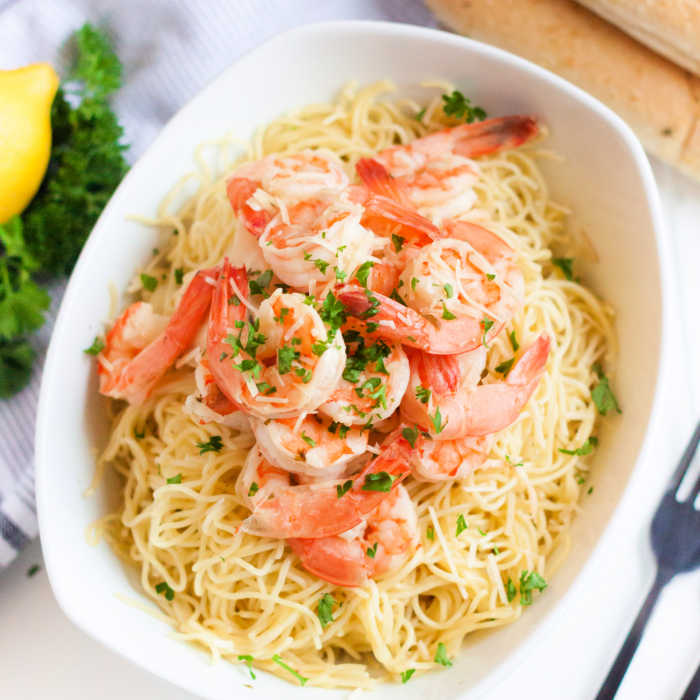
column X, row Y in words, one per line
column 313, row 511
column 492, row 135
column 333, row 559
column 493, row 407
column 379, row 181
column 239, row 191
column 486, row 242
column 440, row 372
column 384, row 216
column 222, row 317
column 141, row 374
column 401, row 324
column 531, row 364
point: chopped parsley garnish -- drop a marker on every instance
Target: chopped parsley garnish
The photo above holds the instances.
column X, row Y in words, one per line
column 461, row 524
column 249, row 366
column 324, row 609
column 276, row 658
column 448, row 290
column 414, row 282
column 508, row 459
column 254, row 488
column 265, row 388
column 411, row 434
column 481, row 532
column 332, row 312
column 511, row 591
column 259, row 285
column 285, row 356
column 436, row 420
column 505, row 366
column 305, row 374
column 406, row 675
column 148, row 282
column 363, row 272
column 379, row 481
column 441, row 655
column 339, row 274
column 342, row 489
column 602, row 394
column 248, row 662
column 214, row 444
column 430, row 533
column 398, row 242
column 528, row 583
column 163, row 588
column 422, row 394
column 514, row 341
column 177, row 479
column 371, row 551
column 283, row 314
column 373, row 308
column 418, row 116
column 96, row 348
column 361, row 356
column 566, row 265
column 496, row 550
column 179, row 274
column 447, row 315
column 308, row 440
column 33, row 569
column 321, row 265
column 457, row 105
column 486, row 323
column 397, row 297
column 585, row 449
column 223, row 356
column 490, row 276
column 140, row 435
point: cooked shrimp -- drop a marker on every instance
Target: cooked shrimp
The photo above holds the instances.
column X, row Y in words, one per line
column 322, row 510
column 434, row 173
column 446, row 460
column 142, row 345
column 401, row 324
column 374, row 380
column 282, row 363
column 464, row 408
column 208, row 404
column 310, row 446
column 389, row 217
column 459, row 292
column 259, row 480
column 299, row 207
column 378, row 545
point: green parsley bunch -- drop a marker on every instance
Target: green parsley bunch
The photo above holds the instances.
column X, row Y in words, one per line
column 86, row 165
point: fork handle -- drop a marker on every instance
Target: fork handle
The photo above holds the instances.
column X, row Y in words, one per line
column 619, row 668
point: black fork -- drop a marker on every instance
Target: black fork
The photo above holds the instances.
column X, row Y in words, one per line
column 675, row 538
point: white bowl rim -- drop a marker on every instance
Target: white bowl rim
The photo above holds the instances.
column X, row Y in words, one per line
column 42, row 435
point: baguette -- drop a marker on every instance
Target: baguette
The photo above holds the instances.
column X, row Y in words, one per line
column 659, row 100
column 670, row 27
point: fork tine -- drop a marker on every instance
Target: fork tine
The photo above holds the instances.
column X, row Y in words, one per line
column 685, row 462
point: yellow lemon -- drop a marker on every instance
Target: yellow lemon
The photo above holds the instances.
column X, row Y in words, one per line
column 26, row 95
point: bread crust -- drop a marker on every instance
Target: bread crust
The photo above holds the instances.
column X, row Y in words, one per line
column 669, row 27
column 658, row 99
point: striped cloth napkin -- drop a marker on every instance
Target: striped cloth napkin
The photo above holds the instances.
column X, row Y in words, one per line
column 170, row 49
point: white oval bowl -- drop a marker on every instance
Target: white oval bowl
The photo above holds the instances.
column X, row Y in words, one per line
column 606, row 180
